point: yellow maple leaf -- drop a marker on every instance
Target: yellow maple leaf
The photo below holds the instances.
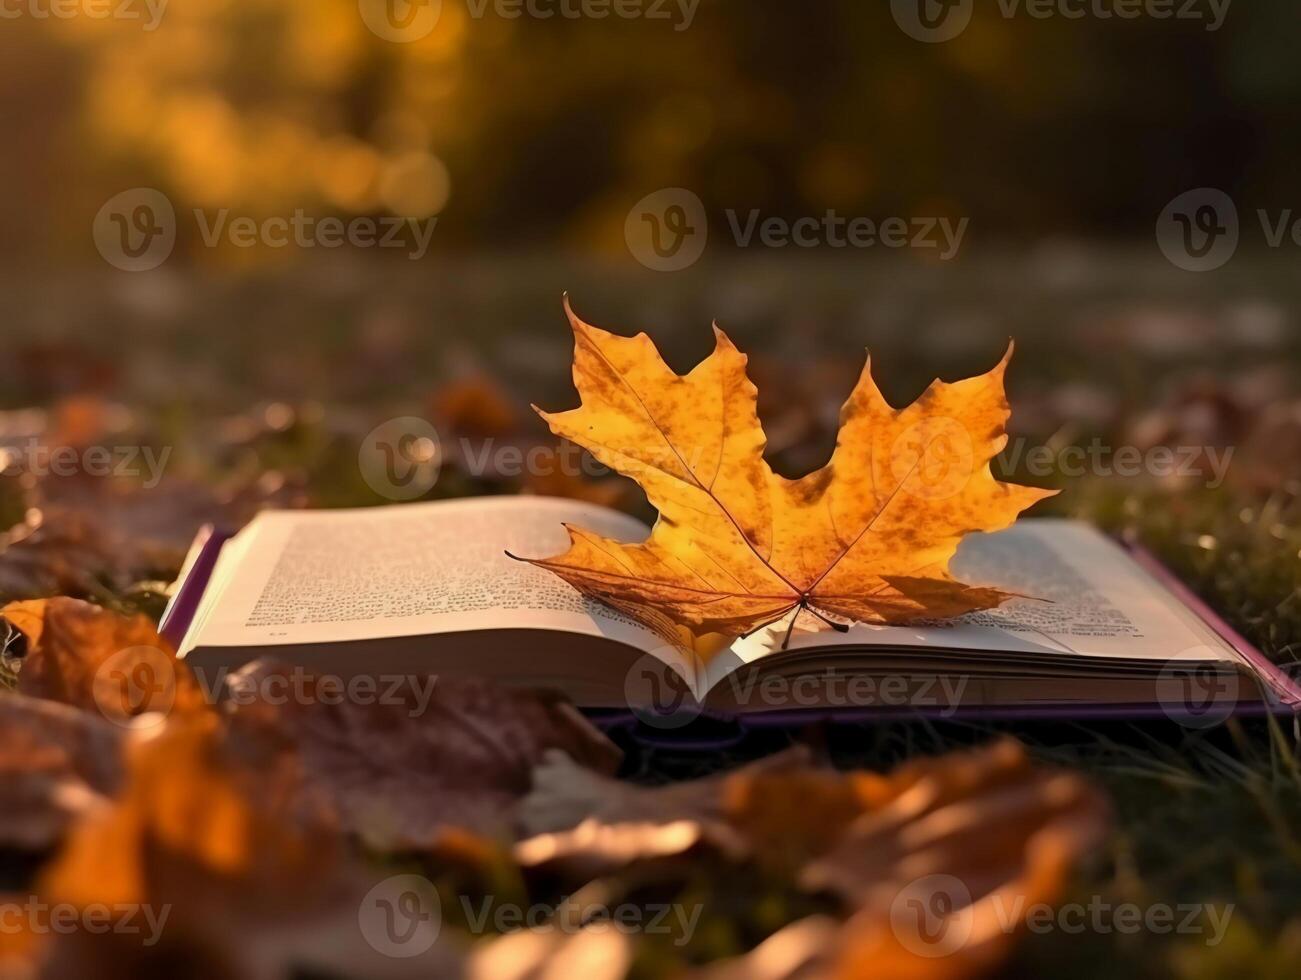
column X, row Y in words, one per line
column 867, row 538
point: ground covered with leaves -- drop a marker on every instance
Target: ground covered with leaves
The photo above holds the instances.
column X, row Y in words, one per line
column 259, row 392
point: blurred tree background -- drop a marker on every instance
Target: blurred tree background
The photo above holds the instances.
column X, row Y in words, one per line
column 528, row 131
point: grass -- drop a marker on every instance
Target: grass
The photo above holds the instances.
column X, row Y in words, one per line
column 1201, row 816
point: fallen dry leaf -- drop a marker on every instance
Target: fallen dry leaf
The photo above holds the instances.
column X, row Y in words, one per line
column 942, row 808
column 423, row 755
column 104, row 507
column 584, row 824
column 866, row 538
column 55, row 763
column 100, row 661
column 941, row 863
column 150, row 527
column 230, row 874
column 935, row 864
column 553, row 954
column 70, row 556
column 566, row 794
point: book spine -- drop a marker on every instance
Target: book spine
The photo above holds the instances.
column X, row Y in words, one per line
column 191, row 584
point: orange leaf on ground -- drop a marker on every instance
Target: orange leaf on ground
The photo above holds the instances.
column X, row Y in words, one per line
column 941, row 866
column 935, row 866
column 99, row 661
column 230, row 873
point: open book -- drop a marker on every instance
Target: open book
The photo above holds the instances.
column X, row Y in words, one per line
column 428, row 589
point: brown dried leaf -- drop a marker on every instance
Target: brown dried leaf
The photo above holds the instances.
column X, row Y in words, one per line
column 244, row 881
column 941, row 863
column 93, row 536
column 70, row 556
column 55, row 763
column 971, row 840
column 553, row 954
column 428, row 754
column 99, row 661
column 975, row 820
column 566, row 794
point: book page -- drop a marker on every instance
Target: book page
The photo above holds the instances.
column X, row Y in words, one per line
column 1101, row 604
column 296, row 577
